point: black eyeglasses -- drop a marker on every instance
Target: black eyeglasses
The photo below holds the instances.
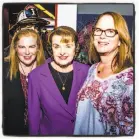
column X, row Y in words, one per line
column 108, row 32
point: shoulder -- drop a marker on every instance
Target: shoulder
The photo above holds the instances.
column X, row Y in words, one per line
column 126, row 72
column 36, row 72
column 93, row 67
column 91, row 70
column 81, row 65
column 130, row 71
column 6, row 64
column 126, row 76
column 6, row 67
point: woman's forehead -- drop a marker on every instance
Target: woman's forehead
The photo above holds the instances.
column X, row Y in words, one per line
column 106, row 21
column 62, row 38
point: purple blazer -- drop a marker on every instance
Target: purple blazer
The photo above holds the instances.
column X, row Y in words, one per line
column 48, row 113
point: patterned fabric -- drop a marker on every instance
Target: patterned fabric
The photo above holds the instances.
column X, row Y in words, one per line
column 24, row 84
column 105, row 106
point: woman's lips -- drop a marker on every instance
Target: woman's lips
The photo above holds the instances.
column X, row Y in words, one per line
column 63, row 57
column 27, row 57
column 103, row 43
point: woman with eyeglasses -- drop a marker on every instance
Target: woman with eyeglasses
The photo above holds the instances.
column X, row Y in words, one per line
column 105, row 101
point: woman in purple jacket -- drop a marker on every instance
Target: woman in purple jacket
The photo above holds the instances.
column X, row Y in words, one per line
column 54, row 85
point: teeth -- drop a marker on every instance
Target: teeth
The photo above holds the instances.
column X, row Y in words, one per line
column 104, row 43
column 27, row 57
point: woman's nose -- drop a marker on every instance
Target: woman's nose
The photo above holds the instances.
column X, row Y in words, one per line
column 62, row 50
column 27, row 52
column 103, row 35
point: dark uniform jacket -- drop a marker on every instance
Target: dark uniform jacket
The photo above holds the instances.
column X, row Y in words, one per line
column 13, row 105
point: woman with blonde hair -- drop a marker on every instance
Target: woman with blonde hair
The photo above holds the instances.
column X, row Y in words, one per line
column 105, row 102
column 26, row 53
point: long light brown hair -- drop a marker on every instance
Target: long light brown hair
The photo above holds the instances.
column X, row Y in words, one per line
column 13, row 59
column 123, row 58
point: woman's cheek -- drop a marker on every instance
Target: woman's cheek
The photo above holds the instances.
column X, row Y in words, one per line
column 20, row 53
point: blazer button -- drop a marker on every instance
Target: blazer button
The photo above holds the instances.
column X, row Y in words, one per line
column 72, row 121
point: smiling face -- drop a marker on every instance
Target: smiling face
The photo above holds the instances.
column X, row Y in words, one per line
column 102, row 43
column 63, row 52
column 26, row 49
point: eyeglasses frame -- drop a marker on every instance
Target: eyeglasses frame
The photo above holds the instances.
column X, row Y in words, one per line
column 116, row 32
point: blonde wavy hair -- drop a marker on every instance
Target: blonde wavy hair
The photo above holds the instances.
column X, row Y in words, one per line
column 123, row 58
column 12, row 58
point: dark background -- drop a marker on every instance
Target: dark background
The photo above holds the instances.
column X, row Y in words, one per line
column 10, row 12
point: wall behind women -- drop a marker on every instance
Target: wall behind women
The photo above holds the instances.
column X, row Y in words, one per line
column 67, row 15
column 93, row 8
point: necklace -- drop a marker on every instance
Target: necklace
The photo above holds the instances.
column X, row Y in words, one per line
column 24, row 71
column 102, row 69
column 98, row 71
column 63, row 81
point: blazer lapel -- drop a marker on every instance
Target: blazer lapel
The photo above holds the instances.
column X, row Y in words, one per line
column 75, row 88
column 51, row 86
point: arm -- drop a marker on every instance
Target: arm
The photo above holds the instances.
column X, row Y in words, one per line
column 128, row 113
column 34, row 111
column 127, row 122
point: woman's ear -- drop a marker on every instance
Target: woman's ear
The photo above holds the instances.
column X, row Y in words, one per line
column 119, row 43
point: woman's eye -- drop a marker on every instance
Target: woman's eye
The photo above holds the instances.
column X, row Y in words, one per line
column 97, row 30
column 68, row 46
column 110, row 31
column 56, row 46
column 33, row 46
column 19, row 46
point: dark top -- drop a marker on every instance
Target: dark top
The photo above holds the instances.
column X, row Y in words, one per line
column 65, row 77
column 13, row 105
